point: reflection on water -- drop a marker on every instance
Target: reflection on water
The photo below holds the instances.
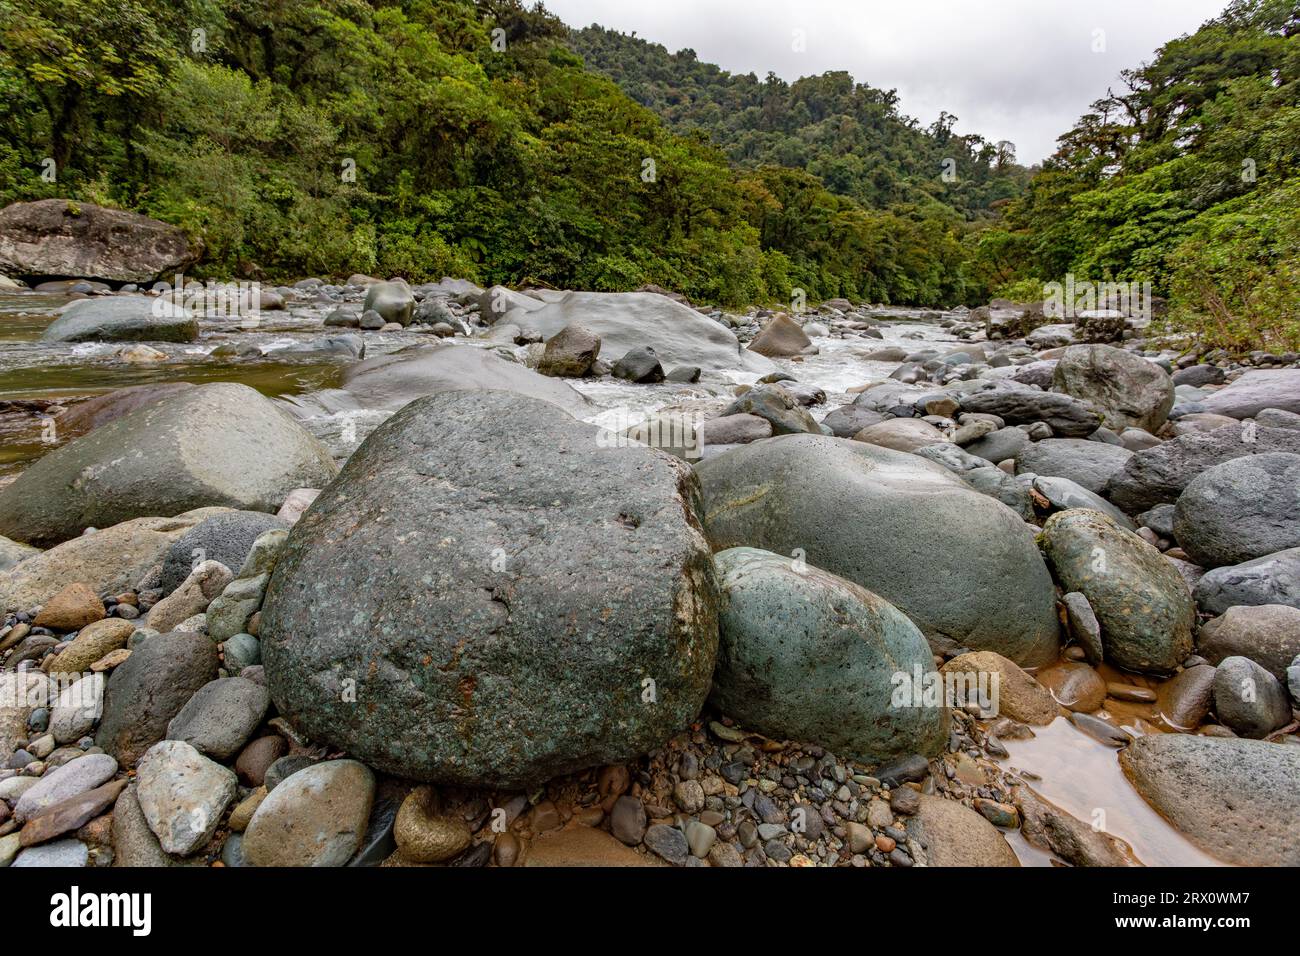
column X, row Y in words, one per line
column 1083, row 777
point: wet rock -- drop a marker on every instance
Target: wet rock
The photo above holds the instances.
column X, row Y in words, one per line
column 1235, row 799
column 1069, row 417
column 1256, row 390
column 1048, row 827
column 955, row 835
column 185, row 455
column 584, row 846
column 1126, row 388
column 1019, row 695
column 1076, row 687
column 496, row 631
column 316, row 817
column 145, row 693
column 1268, row 634
column 182, row 795
column 639, row 365
column 778, row 407
column 1272, row 579
column 426, row 835
column 221, row 716
column 128, row 318
column 627, row 820
column 1240, row 510
column 1159, row 475
column 805, row 655
column 570, row 353
column 668, row 842
column 781, row 337
column 1140, row 601
column 1089, row 464
column 1083, row 626
column 225, row 538
column 856, row 510
column 392, row 300
column 1249, row 699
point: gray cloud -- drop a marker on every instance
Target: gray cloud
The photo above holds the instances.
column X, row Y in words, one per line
column 1021, row 70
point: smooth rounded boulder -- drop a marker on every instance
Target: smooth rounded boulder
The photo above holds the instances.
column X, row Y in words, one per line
column 315, row 817
column 526, row 595
column 392, row 300
column 781, row 337
column 1240, row 510
column 962, row 566
column 215, row 445
column 1130, row 391
column 128, row 318
column 805, row 655
column 1089, row 464
column 1272, row 579
column 1139, row 599
column 1268, row 634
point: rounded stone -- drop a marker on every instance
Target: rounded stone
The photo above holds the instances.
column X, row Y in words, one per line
column 316, row 817
column 425, row 835
column 1240, row 510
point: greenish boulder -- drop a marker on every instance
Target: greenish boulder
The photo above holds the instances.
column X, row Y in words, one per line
column 804, row 655
column 1138, row 597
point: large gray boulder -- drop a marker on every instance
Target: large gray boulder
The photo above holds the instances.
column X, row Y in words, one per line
column 14, row 552
column 1139, row 599
column 1158, row 475
column 807, row 656
column 961, row 565
column 1089, row 464
column 1255, row 391
column 216, row 445
column 391, row 381
column 1235, row 799
column 628, row 320
column 1272, row 579
column 527, row 595
column 58, row 237
column 1268, row 634
column 1130, row 391
column 127, row 318
column 1240, row 510
column 392, row 300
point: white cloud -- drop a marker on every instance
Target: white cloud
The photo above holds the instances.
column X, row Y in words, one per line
column 1022, row 70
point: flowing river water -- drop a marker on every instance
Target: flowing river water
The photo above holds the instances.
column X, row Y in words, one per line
column 1065, row 765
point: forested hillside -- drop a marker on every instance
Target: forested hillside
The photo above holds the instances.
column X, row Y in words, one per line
column 422, row 138
column 1187, row 176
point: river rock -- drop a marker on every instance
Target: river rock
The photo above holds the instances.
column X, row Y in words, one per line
column 1076, row 687
column 570, row 353
column 1159, row 475
column 1048, row 827
column 847, row 420
column 1240, row 510
column 73, row 608
column 1018, row 404
column 1000, row 445
column 316, row 817
column 1268, row 634
column 426, row 835
column 220, row 444
column 627, row 320
column 219, row 719
column 1235, row 799
column 392, row 300
column 134, row 844
column 859, row 511
column 1089, row 464
column 1064, row 495
column 59, row 237
column 955, row 835
column 21, row 692
column 1126, row 388
column 127, row 318
column 77, row 708
column 776, row 406
column 804, row 655
column 543, row 629
column 781, row 337
column 640, row 365
column 73, row 778
column 1255, row 391
column 13, row 552
column 61, row 854
column 735, row 430
column 182, row 795
column 1249, row 699
column 581, row 847
column 1185, row 700
column 1018, row 695
column 102, row 409
column 226, row 537
column 392, row 381
column 150, row 688
column 1272, row 579
column 902, row 434
column 1140, row 601
column 192, row 597
column 109, row 561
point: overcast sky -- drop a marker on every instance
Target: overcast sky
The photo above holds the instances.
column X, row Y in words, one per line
column 1021, row 70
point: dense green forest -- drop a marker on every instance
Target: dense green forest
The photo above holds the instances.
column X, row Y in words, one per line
column 470, row 138
column 1188, row 177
